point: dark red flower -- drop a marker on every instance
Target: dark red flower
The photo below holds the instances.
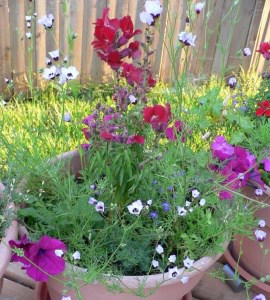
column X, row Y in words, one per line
column 158, row 116
column 132, row 74
column 135, row 139
column 265, row 50
column 263, row 109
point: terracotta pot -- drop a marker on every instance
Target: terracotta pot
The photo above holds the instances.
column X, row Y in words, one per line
column 171, row 289
column 255, row 256
column 5, row 252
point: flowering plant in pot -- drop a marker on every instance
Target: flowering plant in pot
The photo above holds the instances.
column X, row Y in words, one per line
column 137, row 206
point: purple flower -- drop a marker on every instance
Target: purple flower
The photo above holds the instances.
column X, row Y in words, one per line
column 166, row 206
column 43, row 254
column 221, row 149
column 259, row 297
column 266, row 163
column 153, row 215
column 260, row 235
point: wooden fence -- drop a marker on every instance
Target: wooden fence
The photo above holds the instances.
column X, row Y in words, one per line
column 223, row 30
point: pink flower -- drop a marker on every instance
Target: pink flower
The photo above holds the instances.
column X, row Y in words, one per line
column 135, row 139
column 171, row 132
column 264, row 50
column 158, row 116
column 266, row 163
column 221, row 149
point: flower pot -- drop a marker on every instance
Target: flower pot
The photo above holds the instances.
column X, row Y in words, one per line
column 5, row 252
column 255, row 256
column 171, row 288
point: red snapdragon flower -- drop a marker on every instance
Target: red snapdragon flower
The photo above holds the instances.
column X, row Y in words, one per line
column 158, row 116
column 264, row 50
column 263, row 109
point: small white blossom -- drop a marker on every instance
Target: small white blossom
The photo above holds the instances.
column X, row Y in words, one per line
column 76, row 255
column 48, row 61
column 187, row 38
column 199, row 7
column 70, row 73
column 49, row 73
column 62, row 79
column 184, row 279
column 6, row 80
column 66, row 298
column 28, row 35
column 65, row 60
column 93, row 187
column 100, row 207
column 258, row 192
column 59, row 252
column 146, row 18
column 159, row 249
column 155, row 263
column 173, row 272
column 259, row 297
column 67, row 117
column 28, row 18
column 149, row 202
column 206, row 135
column 3, row 103
column 92, row 201
column 181, row 211
column 132, row 99
column 246, row 52
column 232, row 82
column 188, row 203
column 191, row 209
column 202, row 202
column 54, row 54
column 136, row 207
column 260, row 235
column 172, row 258
column 261, row 223
column 241, row 176
column 153, row 7
column 46, row 21
column 195, row 193
column 28, row 24
column 188, row 263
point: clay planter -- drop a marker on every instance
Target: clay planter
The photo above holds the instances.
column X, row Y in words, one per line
column 254, row 261
column 171, row 289
column 5, row 252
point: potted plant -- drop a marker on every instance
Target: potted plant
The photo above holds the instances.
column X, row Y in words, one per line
column 8, row 231
column 137, row 211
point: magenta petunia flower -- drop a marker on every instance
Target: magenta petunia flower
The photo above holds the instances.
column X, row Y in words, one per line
column 221, row 149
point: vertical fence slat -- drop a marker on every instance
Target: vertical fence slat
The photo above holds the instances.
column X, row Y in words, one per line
column 52, row 35
column 5, row 54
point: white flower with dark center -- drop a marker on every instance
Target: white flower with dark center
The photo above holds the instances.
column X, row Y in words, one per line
column 66, row 298
column 199, row 7
column 188, row 263
column 132, row 99
column 149, row 202
column 62, row 79
column 153, row 7
column 100, row 207
column 48, row 61
column 7, row 80
column 241, row 176
column 172, row 258
column 246, row 52
column 136, row 207
column 76, row 255
column 93, row 187
column 3, row 103
column 54, row 55
column 28, row 35
column 261, row 223
column 188, row 203
column 46, row 21
column 232, row 82
column 184, row 279
column 59, row 252
column 202, row 202
column 173, row 272
column 70, row 72
column 28, row 24
column 258, row 192
column 195, row 193
column 159, row 249
column 28, row 18
column 146, row 18
column 259, row 297
column 187, row 38
column 49, row 73
column 67, row 117
column 65, row 60
column 181, row 211
column 155, row 263
column 260, row 235
column 92, row 201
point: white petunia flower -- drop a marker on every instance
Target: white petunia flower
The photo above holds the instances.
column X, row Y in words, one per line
column 54, row 54
column 187, row 38
column 188, row 263
column 49, row 73
column 184, row 279
column 70, row 73
column 199, row 7
column 261, row 223
column 66, row 298
column 172, row 258
column 159, row 249
column 146, row 18
column 132, row 99
column 260, row 235
column 258, row 192
column 136, row 207
column 92, row 201
column 155, row 263
column 76, row 255
column 28, row 35
column 100, row 207
column 153, row 7
column 59, row 252
column 173, row 272
column 195, row 193
column 46, row 21
column 246, row 52
column 232, row 82
column 181, row 211
column 202, row 202
column 67, row 117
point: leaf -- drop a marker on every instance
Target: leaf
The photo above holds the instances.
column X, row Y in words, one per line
column 237, row 138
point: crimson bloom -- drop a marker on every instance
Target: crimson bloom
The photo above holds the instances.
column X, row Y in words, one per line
column 171, row 132
column 158, row 116
column 44, row 254
column 263, row 109
column 135, row 139
column 264, row 50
